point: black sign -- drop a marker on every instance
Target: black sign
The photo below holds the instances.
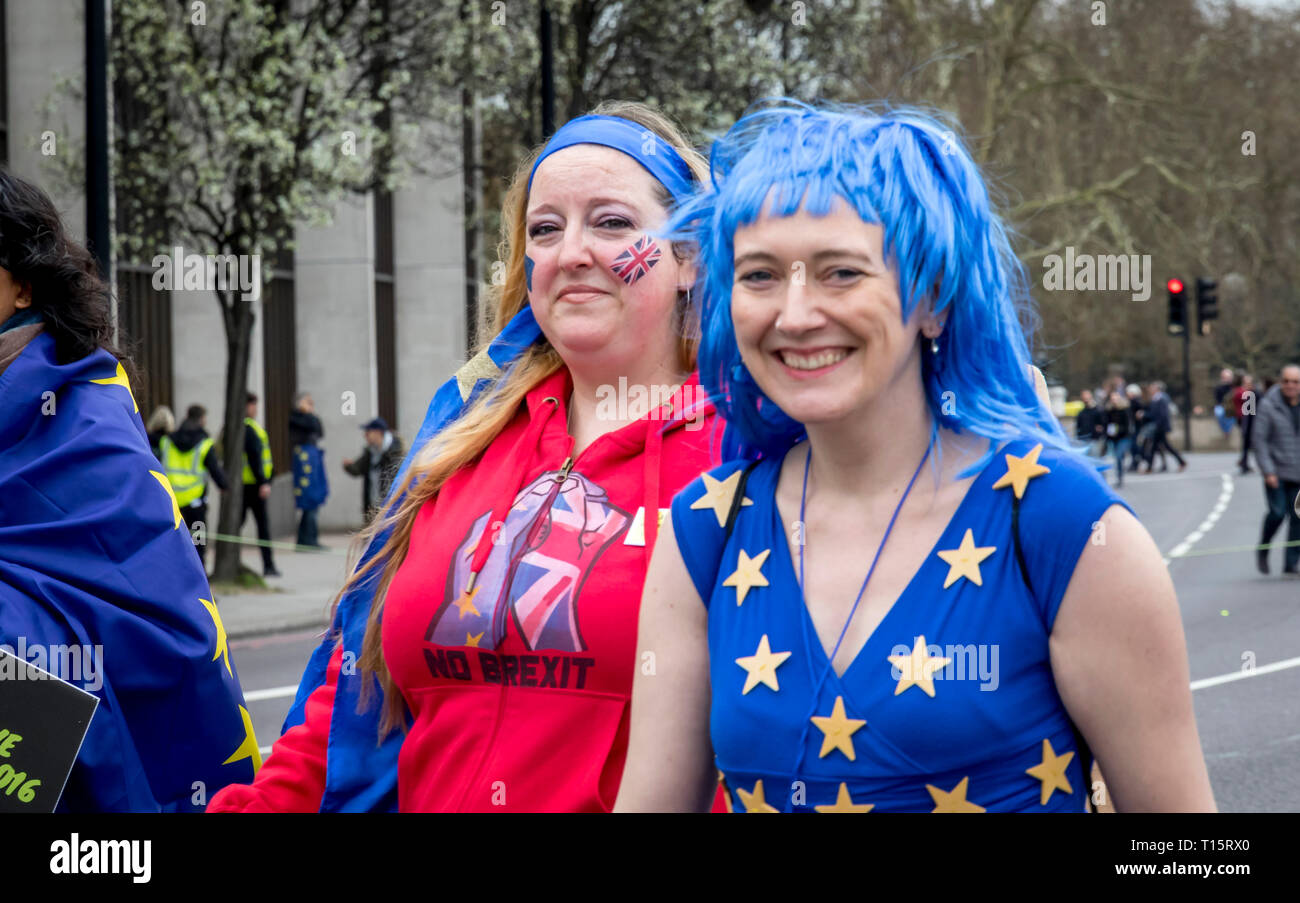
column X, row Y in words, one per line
column 42, row 723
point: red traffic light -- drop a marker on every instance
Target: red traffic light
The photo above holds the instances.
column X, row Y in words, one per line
column 1175, row 286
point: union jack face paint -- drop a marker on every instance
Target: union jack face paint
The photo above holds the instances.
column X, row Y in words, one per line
column 637, row 260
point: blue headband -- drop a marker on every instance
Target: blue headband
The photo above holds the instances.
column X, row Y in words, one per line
column 641, row 144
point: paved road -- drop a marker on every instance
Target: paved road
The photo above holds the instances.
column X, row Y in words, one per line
column 1249, row 725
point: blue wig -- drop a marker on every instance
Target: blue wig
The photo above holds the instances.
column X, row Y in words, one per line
column 906, row 171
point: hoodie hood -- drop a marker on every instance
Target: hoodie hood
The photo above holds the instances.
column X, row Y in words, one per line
column 188, row 435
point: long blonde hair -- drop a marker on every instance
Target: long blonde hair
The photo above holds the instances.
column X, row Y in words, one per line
column 463, row 441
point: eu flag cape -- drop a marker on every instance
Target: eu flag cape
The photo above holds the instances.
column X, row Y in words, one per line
column 310, row 485
column 360, row 773
column 96, row 561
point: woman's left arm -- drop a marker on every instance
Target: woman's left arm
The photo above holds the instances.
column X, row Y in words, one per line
column 1120, row 663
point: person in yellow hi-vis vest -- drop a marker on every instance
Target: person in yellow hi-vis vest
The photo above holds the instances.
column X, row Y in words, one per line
column 257, row 480
column 186, row 454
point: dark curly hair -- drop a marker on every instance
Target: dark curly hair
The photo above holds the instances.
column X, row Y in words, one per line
column 67, row 291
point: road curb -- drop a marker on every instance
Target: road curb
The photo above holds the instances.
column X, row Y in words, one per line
column 244, row 633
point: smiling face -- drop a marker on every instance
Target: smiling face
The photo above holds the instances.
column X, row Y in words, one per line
column 817, row 314
column 602, row 291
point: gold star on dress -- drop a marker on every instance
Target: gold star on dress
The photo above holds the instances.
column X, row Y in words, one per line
column 748, row 574
column 918, row 668
column 953, row 800
column 761, row 668
column 465, row 602
column 471, row 639
column 176, row 509
column 754, row 801
column 248, row 748
column 480, row 366
column 1051, row 771
column 119, row 379
column 844, row 803
column 964, row 561
column 221, row 647
column 838, row 730
column 718, row 495
column 1021, row 470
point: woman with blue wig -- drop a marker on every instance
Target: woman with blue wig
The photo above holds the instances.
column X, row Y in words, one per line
column 906, row 591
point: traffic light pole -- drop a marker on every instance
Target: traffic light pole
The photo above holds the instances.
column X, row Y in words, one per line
column 1187, row 389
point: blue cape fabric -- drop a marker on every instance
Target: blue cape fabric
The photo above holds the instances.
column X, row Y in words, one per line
column 310, row 484
column 92, row 555
column 360, row 773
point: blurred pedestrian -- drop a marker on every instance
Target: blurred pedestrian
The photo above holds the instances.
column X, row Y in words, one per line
column 186, row 454
column 257, row 481
column 1277, row 451
column 1244, row 404
column 1119, row 431
column 310, row 483
column 1090, row 424
column 1222, row 401
column 1141, row 428
column 376, row 465
column 1159, row 414
column 161, row 422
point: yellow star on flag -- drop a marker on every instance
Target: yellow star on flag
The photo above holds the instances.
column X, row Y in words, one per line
column 221, row 648
column 248, row 749
column 176, row 509
column 471, row 639
column 480, row 366
column 964, row 561
column 761, row 668
column 1051, row 771
column 718, row 495
column 844, row 803
column 1021, row 470
column 465, row 602
column 918, row 668
column 754, row 801
column 838, row 730
column 953, row 800
column 748, row 574
column 119, row 379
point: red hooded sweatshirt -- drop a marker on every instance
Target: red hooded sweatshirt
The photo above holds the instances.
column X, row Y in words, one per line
column 519, row 682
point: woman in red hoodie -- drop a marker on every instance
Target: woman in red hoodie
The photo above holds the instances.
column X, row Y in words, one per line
column 503, row 629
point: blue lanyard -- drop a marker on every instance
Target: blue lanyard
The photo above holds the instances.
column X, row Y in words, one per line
column 830, row 661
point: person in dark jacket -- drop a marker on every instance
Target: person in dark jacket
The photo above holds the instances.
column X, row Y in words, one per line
column 1119, row 431
column 1277, row 452
column 186, row 454
column 376, row 465
column 310, row 484
column 257, row 481
column 1090, row 425
column 1243, row 407
column 1159, row 416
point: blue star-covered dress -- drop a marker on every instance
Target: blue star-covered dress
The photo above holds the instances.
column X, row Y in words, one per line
column 950, row 705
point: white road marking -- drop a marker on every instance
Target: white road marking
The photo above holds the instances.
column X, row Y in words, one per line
column 273, row 693
column 1225, row 496
column 1242, row 675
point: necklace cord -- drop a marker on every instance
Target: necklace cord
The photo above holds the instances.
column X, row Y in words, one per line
column 830, row 661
